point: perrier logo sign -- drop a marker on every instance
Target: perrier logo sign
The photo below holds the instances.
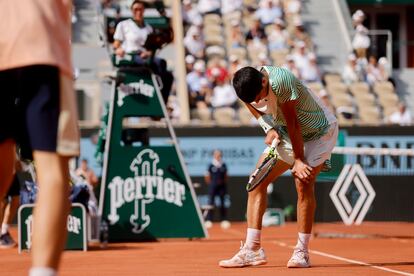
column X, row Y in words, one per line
column 147, row 185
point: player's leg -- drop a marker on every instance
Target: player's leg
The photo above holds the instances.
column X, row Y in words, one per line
column 306, row 206
column 315, row 152
column 252, row 253
column 52, row 208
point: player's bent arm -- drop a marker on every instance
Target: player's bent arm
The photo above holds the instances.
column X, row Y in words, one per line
column 256, row 113
column 293, row 127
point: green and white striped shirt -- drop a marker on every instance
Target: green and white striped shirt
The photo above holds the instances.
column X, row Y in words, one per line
column 314, row 118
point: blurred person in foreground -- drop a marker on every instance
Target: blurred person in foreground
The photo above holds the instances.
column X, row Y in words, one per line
column 37, row 92
column 216, row 179
column 306, row 132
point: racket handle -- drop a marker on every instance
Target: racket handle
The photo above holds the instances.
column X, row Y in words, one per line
column 275, row 142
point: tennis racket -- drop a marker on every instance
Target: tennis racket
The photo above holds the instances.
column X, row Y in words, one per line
column 264, row 168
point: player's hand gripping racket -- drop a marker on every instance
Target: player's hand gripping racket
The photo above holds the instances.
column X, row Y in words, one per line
column 264, row 168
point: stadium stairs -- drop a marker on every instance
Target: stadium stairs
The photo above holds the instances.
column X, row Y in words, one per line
column 405, row 86
column 328, row 23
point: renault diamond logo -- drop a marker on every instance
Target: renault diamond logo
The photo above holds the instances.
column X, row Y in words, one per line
column 352, row 214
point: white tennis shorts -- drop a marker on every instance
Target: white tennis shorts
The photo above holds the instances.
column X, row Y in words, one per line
column 316, row 152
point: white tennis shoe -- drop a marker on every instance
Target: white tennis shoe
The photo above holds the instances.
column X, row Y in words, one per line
column 299, row 259
column 245, row 257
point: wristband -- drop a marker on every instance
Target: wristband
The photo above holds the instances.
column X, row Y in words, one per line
column 266, row 122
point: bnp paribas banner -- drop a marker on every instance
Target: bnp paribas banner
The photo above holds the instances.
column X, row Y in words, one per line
column 146, row 191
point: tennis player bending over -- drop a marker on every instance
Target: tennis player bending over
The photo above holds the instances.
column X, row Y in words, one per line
column 307, row 133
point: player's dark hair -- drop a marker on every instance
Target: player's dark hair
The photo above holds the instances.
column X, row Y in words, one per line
column 247, row 82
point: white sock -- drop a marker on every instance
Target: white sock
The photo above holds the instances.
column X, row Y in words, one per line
column 303, row 241
column 253, row 238
column 4, row 228
column 42, row 271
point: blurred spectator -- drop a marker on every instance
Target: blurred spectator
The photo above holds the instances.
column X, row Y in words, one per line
column 278, row 37
column 236, row 35
column 299, row 34
column 323, row 95
column 194, row 43
column 373, row 72
column 190, row 13
column 216, row 179
column 112, row 24
column 235, row 64
column 352, row 71
column 256, row 39
column 401, row 117
column 87, row 173
column 223, row 95
column 268, row 12
column 263, row 60
column 216, row 71
column 311, row 72
column 383, row 68
column 256, row 31
column 173, row 108
column 209, row 6
column 291, row 66
column 361, row 40
column 202, row 98
column 300, row 56
column 131, row 34
column 292, row 7
column 194, row 77
column 189, row 63
column 229, row 6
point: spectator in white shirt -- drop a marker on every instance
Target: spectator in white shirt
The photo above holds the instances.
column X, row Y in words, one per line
column 190, row 13
column 292, row 7
column 401, row 117
column 189, row 63
column 209, row 6
column 236, row 35
column 291, row 66
column 278, row 37
column 311, row 72
column 194, row 77
column 383, row 67
column 224, row 95
column 229, row 6
column 352, row 71
column 194, row 43
column 131, row 34
column 300, row 56
column 268, row 12
column 373, row 72
column 361, row 40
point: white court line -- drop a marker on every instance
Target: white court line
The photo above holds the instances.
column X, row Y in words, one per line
column 282, row 244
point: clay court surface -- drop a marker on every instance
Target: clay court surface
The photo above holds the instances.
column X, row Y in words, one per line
column 369, row 249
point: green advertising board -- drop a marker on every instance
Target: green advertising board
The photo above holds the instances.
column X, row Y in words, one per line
column 146, row 192
column 76, row 227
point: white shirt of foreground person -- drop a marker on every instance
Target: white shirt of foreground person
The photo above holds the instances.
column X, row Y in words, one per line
column 133, row 37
